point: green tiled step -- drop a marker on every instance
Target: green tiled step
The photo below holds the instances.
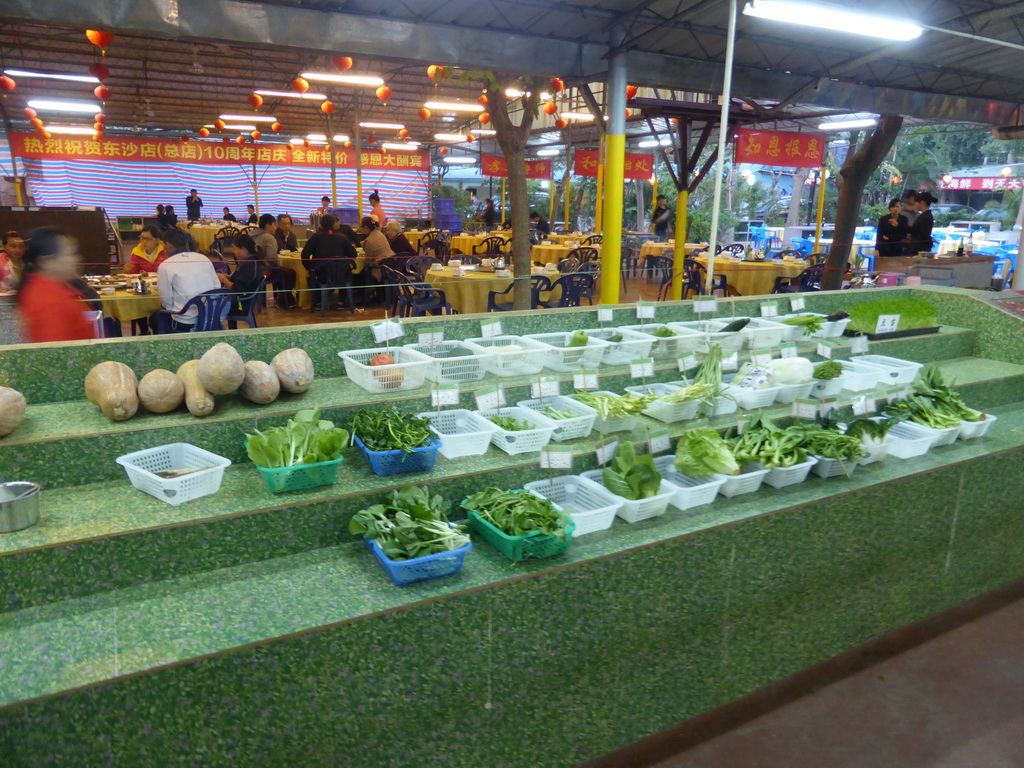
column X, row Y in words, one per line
column 121, row 536
column 67, row 444
column 66, row 645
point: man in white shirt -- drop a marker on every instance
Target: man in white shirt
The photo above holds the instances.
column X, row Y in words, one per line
column 184, row 275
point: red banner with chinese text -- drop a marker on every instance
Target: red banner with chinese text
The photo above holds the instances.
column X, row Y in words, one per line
column 780, row 148
column 496, row 166
column 130, row 149
column 981, row 184
column 637, row 165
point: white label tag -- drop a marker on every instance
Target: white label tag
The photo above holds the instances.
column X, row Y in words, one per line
column 429, row 338
column 741, row 423
column 644, row 310
column 787, row 349
column 489, row 398
column 796, row 304
column 805, row 408
column 606, row 452
column 688, row 363
column 896, row 393
column 604, row 314
column 444, row 394
column 761, row 356
column 490, row 328
column 658, row 441
column 864, row 405
column 859, row 345
column 828, row 404
column 887, row 324
column 386, row 330
column 642, row 368
column 769, row 309
column 731, row 362
column 556, row 457
column 585, row 379
column 825, row 350
column 548, row 386
column 705, row 306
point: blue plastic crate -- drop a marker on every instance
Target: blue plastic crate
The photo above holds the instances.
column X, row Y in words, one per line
column 444, row 206
column 404, row 572
column 399, row 462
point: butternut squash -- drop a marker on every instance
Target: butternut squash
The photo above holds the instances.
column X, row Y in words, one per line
column 221, row 369
column 12, row 410
column 161, row 391
column 114, row 388
column 294, row 369
column 197, row 399
column 261, row 384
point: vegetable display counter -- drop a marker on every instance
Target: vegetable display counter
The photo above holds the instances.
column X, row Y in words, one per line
column 256, row 628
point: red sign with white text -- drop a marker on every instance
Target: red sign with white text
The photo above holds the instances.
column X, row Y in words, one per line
column 780, row 148
column 638, row 165
column 535, row 169
column 129, row 149
column 979, row 184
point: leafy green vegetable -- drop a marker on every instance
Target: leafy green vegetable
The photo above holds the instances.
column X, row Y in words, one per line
column 710, row 373
column 517, row 513
column 616, row 338
column 811, row 323
column 828, row 370
column 411, row 523
column 913, row 312
column 664, row 332
column 613, row 407
column 765, row 442
column 630, row 476
column 829, row 443
column 388, row 429
column 929, row 384
column 553, row 413
column 923, row 410
column 578, row 339
column 874, row 431
column 686, row 394
column 306, row 439
column 704, row 452
column 510, row 424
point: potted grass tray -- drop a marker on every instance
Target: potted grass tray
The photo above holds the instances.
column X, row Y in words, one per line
column 305, row 453
column 393, row 442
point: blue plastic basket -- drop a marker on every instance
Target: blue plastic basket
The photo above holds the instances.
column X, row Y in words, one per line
column 404, row 572
column 400, row 462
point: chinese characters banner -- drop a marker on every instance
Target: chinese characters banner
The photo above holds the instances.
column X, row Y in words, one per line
column 638, row 165
column 780, row 148
column 129, row 149
column 535, row 169
column 982, row 184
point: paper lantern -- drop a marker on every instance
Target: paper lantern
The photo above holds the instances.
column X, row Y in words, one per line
column 631, row 91
column 204, row 132
column 100, row 118
column 255, row 100
column 384, row 93
column 240, row 140
column 371, row 139
column 436, row 73
column 299, row 85
column 219, row 124
column 7, row 84
column 341, row 63
column 443, row 150
column 383, row 150
column 424, row 113
column 225, row 140
column 482, row 99
column 484, row 118
column 98, row 38
column 629, row 112
column 99, row 127
column 28, row 112
column 46, row 134
column 256, row 135
column 550, row 108
column 470, row 138
column 560, row 124
column 348, row 145
column 36, row 123
column 327, row 107
column 184, row 138
column 102, row 92
column 275, row 127
column 556, row 84
column 96, row 137
column 99, row 71
column 307, row 143
column 404, row 133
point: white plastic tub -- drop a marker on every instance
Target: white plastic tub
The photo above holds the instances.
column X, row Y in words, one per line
column 834, row 467
column 520, row 441
column 452, row 361
column 711, row 333
column 591, row 506
column 634, row 346
column 761, row 333
column 752, row 399
column 972, row 429
column 666, row 412
column 462, row 432
column 409, row 370
column 633, row 511
column 859, row 376
column 907, row 441
column 748, row 481
column 828, row 330
column 141, row 466
column 945, row 436
column 789, row 393
column 581, row 425
column 561, row 357
column 683, row 343
column 898, row 371
column 692, row 491
column 607, row 426
column 829, row 387
column 510, row 355
column 780, row 477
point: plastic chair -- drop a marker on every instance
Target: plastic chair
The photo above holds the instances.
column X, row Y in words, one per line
column 469, row 259
column 417, row 299
column 697, row 273
column 592, row 268
column 792, row 253
column 808, row 280
column 329, row 275
column 661, row 266
column 593, row 240
column 817, row 259
column 803, row 244
column 491, row 246
column 436, row 247
column 538, row 285
column 248, row 229
column 736, row 249
column 630, row 263
column 568, row 266
column 572, row 287
column 224, row 232
column 583, row 254
column 213, row 307
column 418, row 265
column 245, row 307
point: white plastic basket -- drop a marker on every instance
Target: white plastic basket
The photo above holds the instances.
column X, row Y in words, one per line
column 721, row 406
column 834, row 467
column 764, row 334
column 452, row 361
column 906, row 441
column 560, row 357
column 607, row 426
column 788, row 393
column 522, row 441
column 780, row 477
column 633, row 346
column 833, row 329
column 579, row 426
column 710, row 333
column 829, row 387
column 633, row 511
column 666, row 412
column 462, row 432
column 525, row 359
column 746, row 482
column 691, row 491
column 140, row 466
column 591, row 506
column 828, row 330
column 899, row 371
column 859, row 376
column 408, row 371
column 972, row 429
column 671, row 347
column 945, row 436
column 752, row 399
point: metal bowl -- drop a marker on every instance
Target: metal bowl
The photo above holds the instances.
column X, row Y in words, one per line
column 19, row 506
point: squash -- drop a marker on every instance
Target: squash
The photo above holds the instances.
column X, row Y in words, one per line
column 197, row 399
column 161, row 391
column 261, row 384
column 113, row 387
column 12, row 410
column 294, row 368
column 221, row 369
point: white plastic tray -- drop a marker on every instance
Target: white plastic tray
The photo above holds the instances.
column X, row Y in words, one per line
column 899, row 371
column 462, row 432
column 746, row 482
column 521, row 441
column 945, row 436
column 834, row 467
column 560, row 357
column 752, row 399
column 710, row 333
column 683, row 343
column 906, row 440
column 764, row 334
column 526, row 360
column 591, row 506
column 666, row 412
column 859, row 376
column 408, row 371
column 633, row 511
column 828, row 387
column 780, row 477
column 452, row 361
column 607, row 426
column 692, row 491
column 564, row 429
column 972, row 429
column 633, row 346
column 788, row 393
column 140, row 466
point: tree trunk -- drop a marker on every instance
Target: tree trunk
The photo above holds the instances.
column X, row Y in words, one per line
column 853, row 177
column 799, row 182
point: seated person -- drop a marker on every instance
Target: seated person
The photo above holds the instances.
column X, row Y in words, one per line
column 286, row 240
column 282, row 278
column 375, row 245
column 184, row 275
column 228, row 215
column 10, row 260
column 248, row 274
column 170, row 217
column 253, row 218
column 148, row 255
column 540, row 223
column 326, row 246
column 398, row 242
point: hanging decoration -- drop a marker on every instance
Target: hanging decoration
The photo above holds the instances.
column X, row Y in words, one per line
column 327, row 107
column 275, row 127
column 629, row 113
column 556, row 84
column 7, row 84
column 470, row 138
column 307, row 143
column 341, row 63
column 371, row 139
column 404, row 133
column 100, row 39
column 550, row 108
column 436, row 73
column 102, row 92
column 29, row 113
column 299, row 85
column 184, row 138
column 631, row 92
column 37, row 123
column 484, row 118
column 561, row 124
column 256, row 135
column 100, row 118
column 99, row 127
column 443, row 150
column 99, row 71
column 424, row 113
column 240, row 140
column 225, row 140
column 204, row 132
column 219, row 124
column 384, row 93
column 96, row 137
column 255, row 100
column 348, row 145
column 482, row 99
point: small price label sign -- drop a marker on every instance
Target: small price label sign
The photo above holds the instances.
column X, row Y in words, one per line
column 796, row 304
column 490, row 328
column 687, row 363
column 556, row 457
column 430, row 338
column 705, row 306
column 769, row 309
column 644, row 310
column 827, row 404
column 490, row 397
column 657, row 441
column 606, row 451
column 741, row 423
column 805, row 408
column 787, row 349
column 825, row 350
column 859, row 345
column 864, row 405
column 896, row 393
column 444, row 394
column 761, row 356
column 641, row 368
column 887, row 324
column 386, row 330
column 547, row 386
column 585, row 379
column 731, row 362
column 604, row 314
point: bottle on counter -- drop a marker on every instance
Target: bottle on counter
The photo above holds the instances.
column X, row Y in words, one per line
column 960, row 249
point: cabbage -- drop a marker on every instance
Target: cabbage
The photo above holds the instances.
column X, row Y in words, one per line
column 792, row 370
column 704, row 452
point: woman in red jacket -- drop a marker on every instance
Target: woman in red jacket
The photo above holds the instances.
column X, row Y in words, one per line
column 51, row 310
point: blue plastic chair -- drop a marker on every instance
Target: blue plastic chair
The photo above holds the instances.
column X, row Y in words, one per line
column 573, row 287
column 538, row 285
column 213, row 307
column 803, row 244
column 245, row 308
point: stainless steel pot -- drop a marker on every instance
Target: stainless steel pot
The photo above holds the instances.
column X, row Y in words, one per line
column 19, row 506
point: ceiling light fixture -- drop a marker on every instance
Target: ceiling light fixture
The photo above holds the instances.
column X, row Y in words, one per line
column 577, row 116
column 303, row 141
column 250, row 118
column 338, row 137
column 51, row 76
column 485, row 132
column 845, row 125
column 453, row 106
column 548, row 152
column 411, row 145
column 234, row 127
column 832, row 18
column 71, row 130
column 57, row 105
column 383, row 126
column 461, row 160
column 329, row 77
column 649, row 143
column 447, row 119
column 293, row 95
column 450, row 136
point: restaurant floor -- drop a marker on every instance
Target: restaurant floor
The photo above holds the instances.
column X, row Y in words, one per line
column 945, row 694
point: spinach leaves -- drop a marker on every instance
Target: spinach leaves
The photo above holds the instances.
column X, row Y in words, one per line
column 517, row 513
column 388, row 429
column 411, row 523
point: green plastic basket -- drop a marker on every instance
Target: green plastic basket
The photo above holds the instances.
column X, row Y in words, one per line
column 301, row 476
column 528, row 545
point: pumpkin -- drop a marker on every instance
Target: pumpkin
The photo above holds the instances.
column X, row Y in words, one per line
column 197, row 399
column 294, row 368
column 221, row 369
column 161, row 391
column 114, row 388
column 12, row 410
column 261, row 384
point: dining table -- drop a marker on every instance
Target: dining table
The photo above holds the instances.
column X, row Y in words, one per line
column 466, row 243
column 754, row 278
column 555, row 252
column 468, row 293
column 125, row 305
column 653, row 248
column 415, row 236
column 205, row 234
column 293, row 260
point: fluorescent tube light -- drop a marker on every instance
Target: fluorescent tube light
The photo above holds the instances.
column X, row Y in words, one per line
column 234, row 127
column 71, row 130
column 548, row 152
column 460, row 160
column 649, row 143
column 293, row 95
column 484, row 132
column 844, row 125
column 330, row 77
column 338, row 137
column 401, row 147
column 58, row 105
column 832, row 18
column 250, row 118
column 383, row 126
column 455, row 106
column 51, row 76
column 450, row 136
column 577, row 116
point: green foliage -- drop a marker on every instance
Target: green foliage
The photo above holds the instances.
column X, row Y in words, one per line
column 517, row 513
column 411, row 523
column 388, row 429
column 762, row 441
column 913, row 312
column 630, row 476
column 306, row 439
column 704, row 452
column 830, row 369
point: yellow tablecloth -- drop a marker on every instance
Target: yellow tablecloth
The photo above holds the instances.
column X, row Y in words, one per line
column 468, row 294
column 204, row 234
column 466, row 243
column 414, row 236
column 552, row 254
column 651, row 248
column 302, row 276
column 754, row 278
column 125, row 305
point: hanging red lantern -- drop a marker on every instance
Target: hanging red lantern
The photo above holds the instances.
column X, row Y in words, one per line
column 256, row 135
column 443, row 150
column 225, row 140
column 184, row 138
column 371, row 139
column 46, row 134
column 99, row 39
column 275, row 127
column 470, row 138
column 255, row 100
column 7, row 84
column 28, row 112
column 550, row 108
column 383, row 150
column 384, row 93
column 36, row 123
column 629, row 112
column 560, row 124
column 484, row 118
column 240, row 140
column 100, row 118
column 219, row 124
column 556, row 84
column 99, row 71
column 307, row 143
column 341, row 63
column 102, row 92
column 99, row 127
column 204, row 132
column 436, row 73
column 404, row 133
column 631, row 91
column 299, row 85
column 424, row 113
column 482, row 99
column 96, row 137
column 327, row 107
column 348, row 145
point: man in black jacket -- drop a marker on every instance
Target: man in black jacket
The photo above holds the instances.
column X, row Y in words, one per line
column 193, row 204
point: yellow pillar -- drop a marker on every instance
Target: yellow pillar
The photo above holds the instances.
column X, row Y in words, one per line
column 680, row 244
column 599, row 203
column 821, row 208
column 502, row 199
column 654, row 193
column 611, row 246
